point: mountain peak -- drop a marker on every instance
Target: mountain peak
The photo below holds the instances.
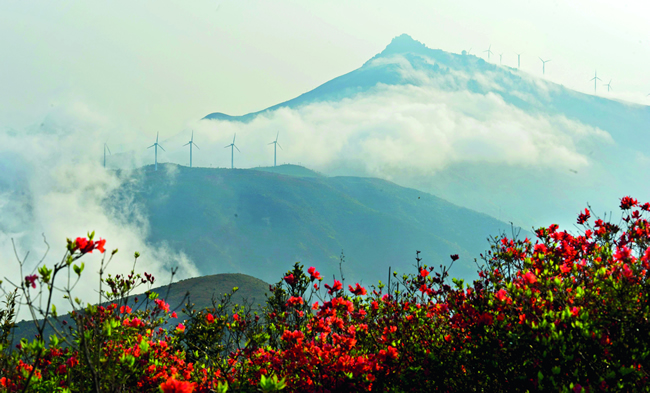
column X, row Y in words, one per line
column 402, row 44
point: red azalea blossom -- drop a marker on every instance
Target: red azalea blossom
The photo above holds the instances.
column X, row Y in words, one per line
column 100, row 245
column 627, row 203
column 502, row 295
column 314, row 275
column 209, row 318
column 530, row 278
column 172, row 385
column 294, row 300
column 337, row 287
column 583, row 217
column 31, row 280
column 290, row 279
column 358, row 290
column 424, row 273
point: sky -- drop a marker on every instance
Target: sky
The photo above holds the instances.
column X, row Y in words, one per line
column 76, row 75
column 155, row 66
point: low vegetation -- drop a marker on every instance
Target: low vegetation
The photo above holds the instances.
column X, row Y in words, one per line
column 562, row 313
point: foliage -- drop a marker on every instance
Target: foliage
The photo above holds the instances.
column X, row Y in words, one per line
column 566, row 313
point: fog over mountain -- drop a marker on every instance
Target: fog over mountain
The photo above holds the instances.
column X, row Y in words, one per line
column 484, row 136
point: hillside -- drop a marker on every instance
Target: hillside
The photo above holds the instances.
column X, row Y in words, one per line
column 259, row 223
column 201, row 292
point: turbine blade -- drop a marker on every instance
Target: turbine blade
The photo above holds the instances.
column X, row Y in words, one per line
column 271, row 143
column 156, row 137
column 233, row 138
column 151, row 146
column 237, row 148
column 195, row 145
column 187, row 144
column 162, row 148
column 276, row 137
column 280, row 146
column 109, row 150
column 227, row 146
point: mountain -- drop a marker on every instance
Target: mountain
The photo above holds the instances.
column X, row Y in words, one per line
column 510, row 144
column 259, row 223
column 516, row 88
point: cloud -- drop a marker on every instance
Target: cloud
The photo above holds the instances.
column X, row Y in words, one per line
column 393, row 129
column 52, row 184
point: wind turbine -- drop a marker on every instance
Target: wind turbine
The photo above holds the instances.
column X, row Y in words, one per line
column 518, row 60
column 275, row 148
column 609, row 85
column 595, row 79
column 109, row 152
column 500, row 56
column 191, row 142
column 232, row 151
column 544, row 65
column 488, row 51
column 155, row 145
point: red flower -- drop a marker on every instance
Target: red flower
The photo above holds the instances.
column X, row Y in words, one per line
column 424, row 273
column 337, row 287
column 100, row 245
column 454, row 257
column 358, row 290
column 627, row 203
column 162, row 305
column 290, row 279
column 583, row 217
column 209, row 318
column 174, row 386
column 81, row 243
column 180, row 327
column 31, row 280
column 295, row 300
column 502, row 295
column 530, row 278
column 314, row 274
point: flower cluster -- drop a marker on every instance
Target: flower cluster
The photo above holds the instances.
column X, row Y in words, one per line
column 563, row 313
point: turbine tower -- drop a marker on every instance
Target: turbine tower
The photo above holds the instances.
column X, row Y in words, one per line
column 156, row 145
column 500, row 57
column 609, row 85
column 191, row 142
column 232, row 151
column 488, row 51
column 544, row 65
column 275, row 148
column 595, row 79
column 518, row 60
column 109, row 152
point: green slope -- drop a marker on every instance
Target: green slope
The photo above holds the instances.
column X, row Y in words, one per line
column 201, row 292
column 259, row 223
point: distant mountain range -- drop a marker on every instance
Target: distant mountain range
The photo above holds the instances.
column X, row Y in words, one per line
column 259, row 222
column 604, row 138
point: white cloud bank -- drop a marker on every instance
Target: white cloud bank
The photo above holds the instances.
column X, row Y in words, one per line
column 52, row 183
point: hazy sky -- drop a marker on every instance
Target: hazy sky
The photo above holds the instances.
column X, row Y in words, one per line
column 156, row 65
